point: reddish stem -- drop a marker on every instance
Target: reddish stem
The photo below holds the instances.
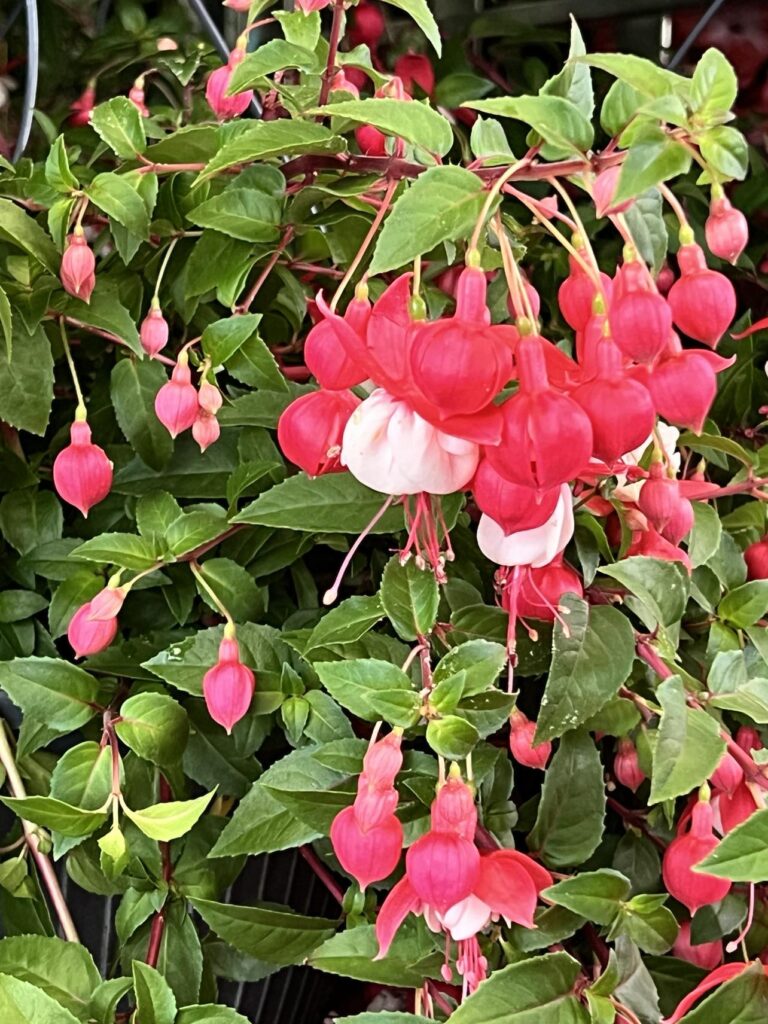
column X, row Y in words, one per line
column 245, row 305
column 322, row 873
column 333, row 49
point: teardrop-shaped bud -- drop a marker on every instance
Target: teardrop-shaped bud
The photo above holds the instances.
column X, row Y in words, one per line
column 78, row 267
column 367, row 855
column 542, row 589
column 703, row 301
column 577, row 294
column 514, row 507
column 626, row 766
column 311, row 429
column 136, row 96
column 641, row 322
column 154, row 332
column 706, row 955
column 82, row 107
column 454, row 809
column 371, row 141
column 368, row 25
column 748, row 738
column 87, row 635
column 684, row 385
column 665, row 507
column 82, row 473
column 522, row 733
column 209, row 397
column 693, row 889
column 228, row 686
column 176, row 404
column 107, row 603
column 756, row 557
column 326, row 355
column 728, row 775
column 205, row 430
column 726, row 230
column 384, row 759
column 442, row 867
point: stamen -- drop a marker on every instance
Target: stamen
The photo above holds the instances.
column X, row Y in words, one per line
column 333, row 591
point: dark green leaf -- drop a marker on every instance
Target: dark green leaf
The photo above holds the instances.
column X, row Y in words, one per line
column 410, row 598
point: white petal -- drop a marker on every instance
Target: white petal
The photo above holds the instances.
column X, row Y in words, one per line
column 467, row 918
column 534, row 547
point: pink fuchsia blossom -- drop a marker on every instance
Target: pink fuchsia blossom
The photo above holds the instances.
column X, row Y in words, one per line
column 82, row 473
column 228, row 686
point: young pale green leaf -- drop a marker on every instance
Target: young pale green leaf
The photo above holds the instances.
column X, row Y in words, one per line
column 24, row 1003
column 243, row 213
column 640, row 73
column 410, row 598
column 55, row 814
column 119, row 200
column 169, row 820
column 596, row 895
column 155, row 1001
column 589, row 664
column 749, row 697
column 479, row 662
column 371, row 689
column 574, row 81
column 6, row 323
column 57, row 172
column 118, row 122
column 123, row 549
column 742, row 855
column 26, row 376
column 714, row 85
column 725, row 151
column 570, row 820
column 652, row 158
column 746, row 604
column 442, row 204
column 347, row 622
column 275, row 55
column 558, row 121
column 300, row 27
column 64, row 971
column 411, row 120
column 452, row 737
column 263, row 140
column 704, row 539
column 134, row 384
column 489, row 142
column 277, row 936
column 422, row 15
column 688, row 748
column 155, row 727
column 645, row 218
column 661, row 587
column 22, row 231
column 83, row 776
column 51, row 691
column 534, row 990
column 222, row 339
column 105, row 998
column 334, row 502
column 210, row 1013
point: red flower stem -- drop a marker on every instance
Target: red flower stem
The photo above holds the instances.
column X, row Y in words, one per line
column 743, row 487
column 333, row 49
column 438, row 997
column 32, row 839
column 245, row 305
column 636, row 819
column 322, row 872
column 157, row 928
column 375, row 224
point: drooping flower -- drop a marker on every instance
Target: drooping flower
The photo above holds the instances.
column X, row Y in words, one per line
column 88, row 635
column 665, row 507
column 728, row 775
column 311, row 429
column 626, row 766
column 224, row 106
column 542, row 588
column 154, row 330
column 576, row 294
column 640, row 318
column 82, row 107
column 325, row 354
column 228, row 686
column 703, row 301
column 756, row 557
column 176, row 403
column 726, row 230
column 136, row 96
column 693, row 889
column 536, row 547
column 78, row 267
column 683, row 384
column 416, row 69
column 522, row 744
column 514, row 507
column 368, row 25
column 82, row 473
column 205, row 430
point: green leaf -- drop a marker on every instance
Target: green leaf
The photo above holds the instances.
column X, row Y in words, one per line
column 371, row 689
column 747, row 697
column 26, row 376
column 596, row 895
column 412, row 957
column 334, row 502
column 119, row 200
column 269, row 139
column 346, row 623
column 652, row 926
column 57, row 172
column 641, row 74
column 16, row 605
column 530, row 992
column 452, row 737
column 589, row 664
column 714, row 86
column 410, row 598
column 479, row 661
column 652, row 158
column 489, row 141
column 155, row 727
column 743, row 1000
column 234, row 586
column 123, row 549
column 742, row 854
column 411, row 120
column 6, row 323
column 209, row 1013
column 105, row 311
column 384, row 1016
column 119, row 123
column 155, row 1001
column 704, row 539
column 272, row 56
column 222, row 339
column 105, row 997
column 55, row 814
column 661, row 587
column 134, row 384
column 64, row 971
column 276, row 936
column 558, row 121
column 244, row 213
column 422, row 15
column 574, row 81
column 688, row 748
column 261, row 824
column 746, row 604
column 620, row 105
column 23, row 1003
column 569, row 823
column 21, row 230
column 725, row 151
column 83, row 776
column 51, row 691
column 30, row 519
column 442, row 204
column 645, row 218
column 300, row 27
column 169, row 820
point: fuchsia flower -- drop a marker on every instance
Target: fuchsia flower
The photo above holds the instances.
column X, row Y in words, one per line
column 702, row 301
column 326, row 355
column 78, row 267
column 684, row 383
column 82, row 107
column 416, row 69
column 82, row 473
column 205, row 430
column 728, row 775
column 224, row 106
column 576, row 294
column 726, row 230
column 457, row 888
column 542, row 589
column 693, row 889
column 756, row 557
column 176, row 403
column 93, row 627
column 136, row 96
column 706, row 955
column 640, row 318
column 514, row 507
column 665, row 507
column 228, row 686
column 536, row 547
column 368, row 25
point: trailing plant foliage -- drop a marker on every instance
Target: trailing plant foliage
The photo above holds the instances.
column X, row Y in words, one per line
column 372, row 486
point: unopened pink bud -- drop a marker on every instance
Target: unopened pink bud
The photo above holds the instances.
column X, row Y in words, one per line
column 107, row 604
column 82, row 473
column 726, row 230
column 89, row 636
column 78, row 268
column 454, row 810
column 521, row 742
column 748, row 738
column 228, row 686
column 154, row 332
column 205, row 429
column 706, row 955
column 176, row 402
column 626, row 766
column 384, row 759
column 136, row 96
column 241, row 6
column 209, row 397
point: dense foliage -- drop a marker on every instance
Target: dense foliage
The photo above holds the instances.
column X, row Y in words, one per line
column 372, row 486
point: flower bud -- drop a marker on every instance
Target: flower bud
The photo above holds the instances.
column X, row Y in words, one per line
column 728, row 775
column 82, row 107
column 640, row 324
column 693, row 889
column 756, row 557
column 665, row 507
column 87, row 635
column 228, row 686
column 368, row 855
column 521, row 742
column 416, row 69
column 107, row 603
column 136, row 96
column 82, row 473
column 703, row 301
column 205, row 430
column 371, row 141
column 176, row 404
column 209, row 397
column 626, row 766
column 373, row 804
column 78, row 267
column 706, row 955
column 576, row 295
column 453, row 809
column 726, row 230
column 368, row 25
column 748, row 738
column 154, row 331
column 384, row 759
